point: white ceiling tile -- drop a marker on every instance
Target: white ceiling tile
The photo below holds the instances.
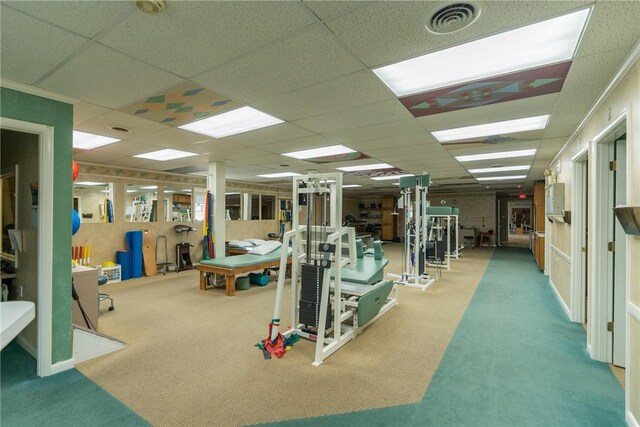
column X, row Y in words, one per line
column 602, row 36
column 343, row 92
column 304, row 59
column 31, row 48
column 83, row 111
column 101, row 125
column 105, row 77
column 297, row 144
column 367, row 133
column 268, row 135
column 87, row 18
column 326, row 9
column 125, row 148
column 197, row 35
column 367, row 115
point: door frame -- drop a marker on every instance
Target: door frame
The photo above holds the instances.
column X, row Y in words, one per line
column 578, row 230
column 600, row 296
column 44, row 309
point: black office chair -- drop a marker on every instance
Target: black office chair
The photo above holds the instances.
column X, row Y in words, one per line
column 102, row 280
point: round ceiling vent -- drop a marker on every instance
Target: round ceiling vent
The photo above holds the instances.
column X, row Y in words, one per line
column 152, row 7
column 452, row 17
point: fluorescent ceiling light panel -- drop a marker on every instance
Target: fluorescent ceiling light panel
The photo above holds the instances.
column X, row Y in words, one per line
column 390, row 177
column 89, row 141
column 150, row 187
column 501, row 169
column 351, row 186
column 232, row 122
column 365, row 167
column 166, row 154
column 88, row 183
column 490, row 129
column 499, row 155
column 535, row 45
column 333, row 150
column 279, row 175
column 501, row 178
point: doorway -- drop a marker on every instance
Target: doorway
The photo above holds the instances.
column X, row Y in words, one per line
column 580, row 238
column 519, row 223
column 609, row 246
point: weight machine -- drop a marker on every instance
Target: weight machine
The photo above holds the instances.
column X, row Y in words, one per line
column 416, row 242
column 336, row 289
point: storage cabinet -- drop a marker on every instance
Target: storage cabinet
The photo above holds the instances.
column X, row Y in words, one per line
column 538, row 249
column 389, row 221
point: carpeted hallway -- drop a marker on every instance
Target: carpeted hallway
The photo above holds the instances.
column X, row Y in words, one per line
column 514, row 358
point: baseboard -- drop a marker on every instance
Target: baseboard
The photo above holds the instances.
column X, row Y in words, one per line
column 631, row 420
column 28, row 347
column 589, row 351
column 560, row 300
column 62, row 366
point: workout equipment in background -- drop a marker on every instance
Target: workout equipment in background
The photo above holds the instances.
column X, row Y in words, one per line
column 148, row 254
column 325, row 266
column 165, row 265
column 414, row 256
column 183, row 248
column 81, row 255
column 134, row 243
column 75, row 221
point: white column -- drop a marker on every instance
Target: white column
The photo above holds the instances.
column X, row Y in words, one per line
column 216, row 184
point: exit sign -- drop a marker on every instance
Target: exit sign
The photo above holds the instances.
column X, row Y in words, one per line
column 522, row 196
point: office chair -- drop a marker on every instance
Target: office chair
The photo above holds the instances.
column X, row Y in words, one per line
column 102, row 280
column 487, row 237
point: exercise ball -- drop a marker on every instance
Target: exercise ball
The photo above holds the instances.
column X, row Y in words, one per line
column 75, row 221
column 75, row 170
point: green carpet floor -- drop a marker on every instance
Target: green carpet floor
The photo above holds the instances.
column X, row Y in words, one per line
column 515, row 360
column 66, row 399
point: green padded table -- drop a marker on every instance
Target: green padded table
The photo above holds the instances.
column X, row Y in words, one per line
column 232, row 266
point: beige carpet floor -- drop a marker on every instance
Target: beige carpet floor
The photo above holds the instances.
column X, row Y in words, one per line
column 190, row 358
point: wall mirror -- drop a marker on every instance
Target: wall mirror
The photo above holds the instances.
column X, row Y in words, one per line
column 199, row 203
column 267, row 206
column 93, row 201
column 177, row 204
column 141, row 203
column 232, row 206
column 9, row 212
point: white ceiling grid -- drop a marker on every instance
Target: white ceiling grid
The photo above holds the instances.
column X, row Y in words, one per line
column 307, row 63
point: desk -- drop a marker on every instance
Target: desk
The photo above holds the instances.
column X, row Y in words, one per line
column 85, row 280
column 482, row 234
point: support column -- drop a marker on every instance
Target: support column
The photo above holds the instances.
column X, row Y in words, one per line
column 216, row 184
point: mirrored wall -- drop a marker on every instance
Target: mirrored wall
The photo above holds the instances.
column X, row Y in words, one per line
column 177, row 204
column 141, row 203
column 93, row 201
column 232, row 206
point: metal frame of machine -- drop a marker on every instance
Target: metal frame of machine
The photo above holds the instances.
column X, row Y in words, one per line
column 318, row 252
column 414, row 263
column 436, row 219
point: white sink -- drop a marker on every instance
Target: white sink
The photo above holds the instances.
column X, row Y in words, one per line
column 14, row 317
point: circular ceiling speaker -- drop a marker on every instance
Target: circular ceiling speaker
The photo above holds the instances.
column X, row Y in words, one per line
column 152, row 7
column 452, row 17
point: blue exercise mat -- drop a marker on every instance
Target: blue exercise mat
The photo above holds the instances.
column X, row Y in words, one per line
column 124, row 259
column 134, row 241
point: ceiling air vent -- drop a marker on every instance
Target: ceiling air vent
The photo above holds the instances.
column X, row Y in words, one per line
column 452, row 17
column 119, row 129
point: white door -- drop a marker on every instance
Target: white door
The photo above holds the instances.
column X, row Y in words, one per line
column 619, row 256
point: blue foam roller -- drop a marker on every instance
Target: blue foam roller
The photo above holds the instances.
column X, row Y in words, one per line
column 259, row 279
column 134, row 241
column 124, row 259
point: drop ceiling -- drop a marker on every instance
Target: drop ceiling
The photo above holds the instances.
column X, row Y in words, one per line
column 308, row 63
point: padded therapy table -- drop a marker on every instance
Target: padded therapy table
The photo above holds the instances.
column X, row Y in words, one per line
column 232, row 266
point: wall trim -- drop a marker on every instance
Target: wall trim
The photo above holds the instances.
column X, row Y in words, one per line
column 564, row 256
column 62, row 366
column 633, row 310
column 33, row 90
column 626, row 65
column 560, row 300
column 631, row 420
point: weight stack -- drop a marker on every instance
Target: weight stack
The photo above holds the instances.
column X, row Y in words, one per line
column 310, row 292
